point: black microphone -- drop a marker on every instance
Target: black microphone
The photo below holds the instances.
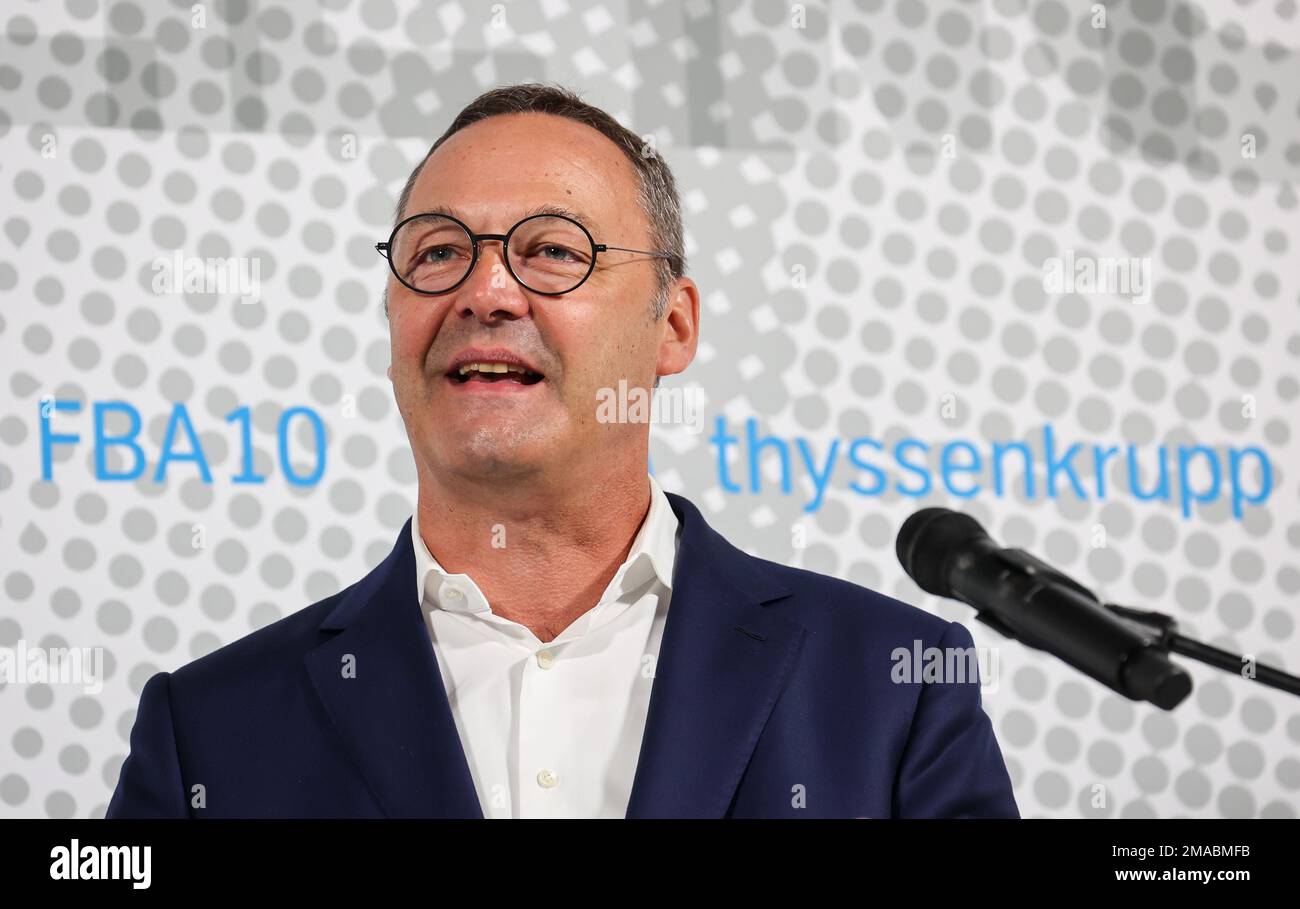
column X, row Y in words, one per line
column 950, row 555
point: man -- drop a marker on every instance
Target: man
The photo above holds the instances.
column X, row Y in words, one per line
column 552, row 634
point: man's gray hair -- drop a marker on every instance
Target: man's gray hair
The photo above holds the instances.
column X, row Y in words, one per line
column 656, row 190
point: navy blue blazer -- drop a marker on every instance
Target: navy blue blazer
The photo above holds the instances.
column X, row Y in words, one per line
column 772, row 697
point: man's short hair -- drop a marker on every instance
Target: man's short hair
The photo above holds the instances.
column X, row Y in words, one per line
column 656, row 190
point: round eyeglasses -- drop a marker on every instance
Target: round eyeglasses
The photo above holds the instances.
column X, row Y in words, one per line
column 547, row 254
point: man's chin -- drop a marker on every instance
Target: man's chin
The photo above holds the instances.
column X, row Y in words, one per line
column 486, row 455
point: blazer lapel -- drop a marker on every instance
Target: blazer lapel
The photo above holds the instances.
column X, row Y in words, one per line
column 723, row 662
column 393, row 716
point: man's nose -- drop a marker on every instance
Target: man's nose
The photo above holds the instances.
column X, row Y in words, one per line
column 490, row 292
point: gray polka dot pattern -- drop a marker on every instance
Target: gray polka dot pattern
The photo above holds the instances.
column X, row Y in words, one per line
column 870, row 194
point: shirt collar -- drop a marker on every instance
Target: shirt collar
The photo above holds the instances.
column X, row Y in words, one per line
column 654, row 549
column 653, row 555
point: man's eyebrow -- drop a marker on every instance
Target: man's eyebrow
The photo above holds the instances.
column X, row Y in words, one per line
column 546, row 208
column 441, row 210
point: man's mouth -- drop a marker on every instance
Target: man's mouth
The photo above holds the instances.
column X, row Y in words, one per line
column 489, row 372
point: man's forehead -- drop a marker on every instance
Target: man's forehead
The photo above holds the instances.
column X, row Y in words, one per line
column 501, row 134
column 540, row 158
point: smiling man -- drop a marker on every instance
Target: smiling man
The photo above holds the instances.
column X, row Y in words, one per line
column 553, row 635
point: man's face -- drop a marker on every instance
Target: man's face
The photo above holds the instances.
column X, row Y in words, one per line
column 489, row 176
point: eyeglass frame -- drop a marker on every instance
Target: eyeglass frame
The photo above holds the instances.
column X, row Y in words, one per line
column 384, row 248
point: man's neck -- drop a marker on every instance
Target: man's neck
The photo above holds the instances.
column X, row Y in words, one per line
column 541, row 553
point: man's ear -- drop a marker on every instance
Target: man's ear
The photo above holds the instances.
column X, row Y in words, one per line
column 679, row 329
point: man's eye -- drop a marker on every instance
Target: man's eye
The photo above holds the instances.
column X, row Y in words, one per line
column 436, row 254
column 558, row 253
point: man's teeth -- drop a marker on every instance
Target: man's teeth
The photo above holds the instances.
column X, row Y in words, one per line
column 491, row 367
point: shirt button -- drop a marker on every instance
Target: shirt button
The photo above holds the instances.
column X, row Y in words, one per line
column 547, row 779
column 545, row 659
column 453, row 593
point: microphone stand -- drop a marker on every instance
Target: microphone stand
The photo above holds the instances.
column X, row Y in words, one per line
column 1164, row 628
column 1168, row 639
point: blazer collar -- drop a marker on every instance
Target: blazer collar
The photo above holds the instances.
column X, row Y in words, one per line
column 724, row 658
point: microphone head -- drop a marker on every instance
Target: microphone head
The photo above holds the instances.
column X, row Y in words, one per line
column 927, row 541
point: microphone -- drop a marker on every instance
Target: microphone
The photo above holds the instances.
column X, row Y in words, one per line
column 950, row 555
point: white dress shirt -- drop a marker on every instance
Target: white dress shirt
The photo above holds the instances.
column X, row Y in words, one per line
column 554, row 729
